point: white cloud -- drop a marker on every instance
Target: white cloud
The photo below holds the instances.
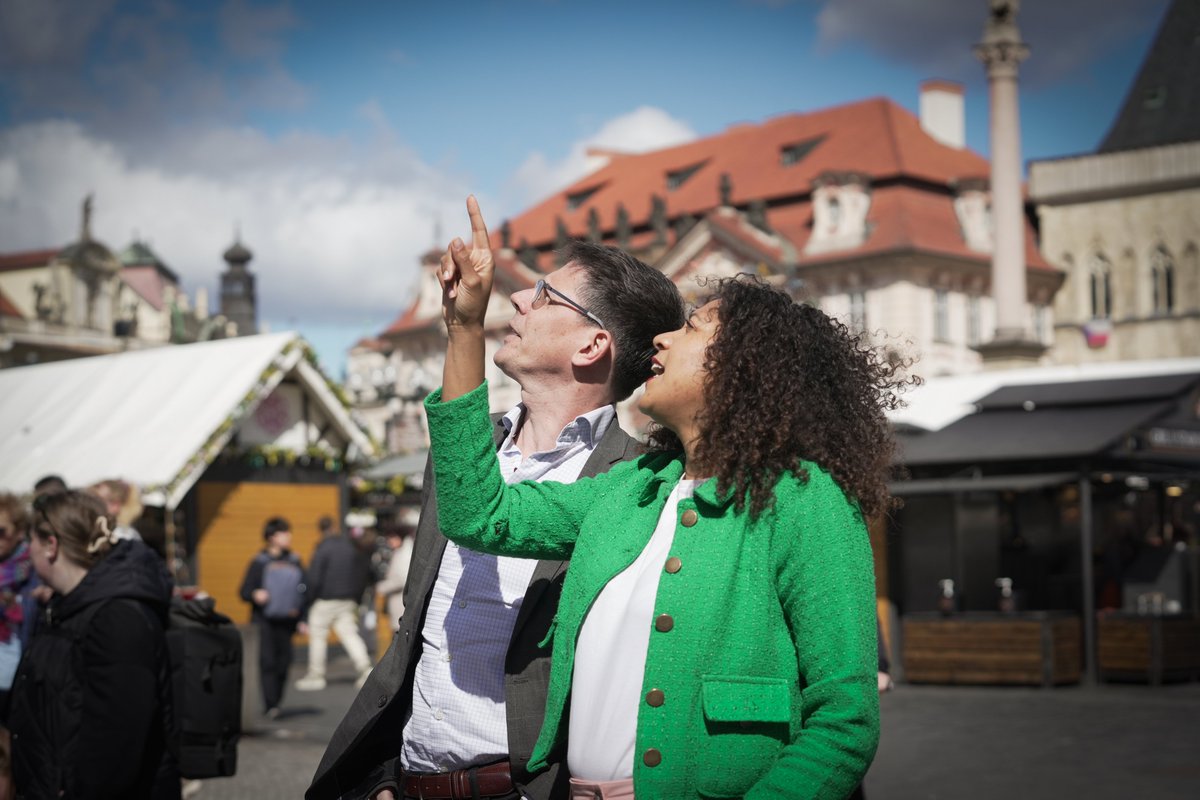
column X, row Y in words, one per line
column 336, row 226
column 644, row 128
column 935, row 36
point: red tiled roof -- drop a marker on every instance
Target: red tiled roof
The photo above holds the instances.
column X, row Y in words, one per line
column 911, row 173
column 372, row 344
column 27, row 259
column 874, row 137
column 409, row 321
column 7, row 309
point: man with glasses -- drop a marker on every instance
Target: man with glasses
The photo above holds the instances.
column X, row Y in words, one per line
column 455, row 706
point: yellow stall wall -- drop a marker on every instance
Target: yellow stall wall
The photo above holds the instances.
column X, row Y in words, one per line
column 231, row 517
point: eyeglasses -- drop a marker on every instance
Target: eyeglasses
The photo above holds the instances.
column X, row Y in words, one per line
column 541, row 296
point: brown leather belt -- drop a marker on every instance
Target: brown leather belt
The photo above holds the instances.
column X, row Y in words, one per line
column 494, row 780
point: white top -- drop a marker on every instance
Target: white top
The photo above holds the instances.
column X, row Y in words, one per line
column 610, row 659
column 458, row 714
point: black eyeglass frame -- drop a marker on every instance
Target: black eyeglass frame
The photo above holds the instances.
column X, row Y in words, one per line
column 541, row 288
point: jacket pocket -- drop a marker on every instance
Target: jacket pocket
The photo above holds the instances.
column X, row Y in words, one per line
column 747, row 720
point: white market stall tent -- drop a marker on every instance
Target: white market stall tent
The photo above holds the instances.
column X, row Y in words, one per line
column 183, row 423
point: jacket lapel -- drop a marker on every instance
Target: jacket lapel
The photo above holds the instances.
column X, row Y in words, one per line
column 615, row 446
column 430, row 544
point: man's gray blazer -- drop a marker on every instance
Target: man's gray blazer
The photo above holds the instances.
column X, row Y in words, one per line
column 366, row 745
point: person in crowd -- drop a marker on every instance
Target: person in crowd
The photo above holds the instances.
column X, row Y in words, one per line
column 18, row 611
column 716, row 631
column 464, row 681
column 91, row 705
column 337, row 577
column 124, row 504
column 17, row 582
column 274, row 585
column 49, row 484
column 391, row 588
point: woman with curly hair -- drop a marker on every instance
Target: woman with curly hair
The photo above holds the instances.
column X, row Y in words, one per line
column 716, row 631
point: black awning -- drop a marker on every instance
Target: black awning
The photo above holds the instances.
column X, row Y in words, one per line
column 1036, row 435
column 990, row 483
column 1090, row 393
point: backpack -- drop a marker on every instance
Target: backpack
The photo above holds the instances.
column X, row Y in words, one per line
column 205, row 651
column 284, row 582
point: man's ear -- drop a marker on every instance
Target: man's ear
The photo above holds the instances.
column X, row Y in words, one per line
column 51, row 548
column 597, row 347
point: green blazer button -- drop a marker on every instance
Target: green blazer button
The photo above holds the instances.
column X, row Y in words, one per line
column 652, row 757
column 655, row 698
column 664, row 623
column 674, row 565
column 689, row 518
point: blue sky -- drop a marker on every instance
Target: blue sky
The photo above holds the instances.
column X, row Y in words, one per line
column 339, row 135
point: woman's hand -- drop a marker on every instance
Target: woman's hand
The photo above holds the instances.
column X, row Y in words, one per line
column 466, row 276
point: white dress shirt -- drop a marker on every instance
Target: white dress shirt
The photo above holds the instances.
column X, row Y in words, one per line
column 458, row 716
column 610, row 658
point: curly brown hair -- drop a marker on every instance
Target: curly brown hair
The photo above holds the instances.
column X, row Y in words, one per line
column 785, row 383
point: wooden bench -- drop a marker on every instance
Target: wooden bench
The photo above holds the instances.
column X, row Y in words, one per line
column 1032, row 648
column 1148, row 648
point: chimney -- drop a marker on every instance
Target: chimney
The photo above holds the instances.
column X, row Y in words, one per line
column 942, row 111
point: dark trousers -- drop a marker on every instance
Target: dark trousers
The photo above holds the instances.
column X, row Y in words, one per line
column 274, row 658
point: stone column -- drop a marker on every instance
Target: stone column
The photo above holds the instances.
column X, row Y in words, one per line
column 1001, row 52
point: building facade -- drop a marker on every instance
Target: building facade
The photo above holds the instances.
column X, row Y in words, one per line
column 1123, row 223
column 84, row 299
column 880, row 216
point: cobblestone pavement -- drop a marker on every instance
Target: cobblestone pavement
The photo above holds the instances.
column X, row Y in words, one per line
column 938, row 743
column 1111, row 741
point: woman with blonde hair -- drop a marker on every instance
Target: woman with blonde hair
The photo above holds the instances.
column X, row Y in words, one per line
column 91, row 706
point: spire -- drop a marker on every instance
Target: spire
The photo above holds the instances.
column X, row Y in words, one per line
column 85, row 232
column 238, row 255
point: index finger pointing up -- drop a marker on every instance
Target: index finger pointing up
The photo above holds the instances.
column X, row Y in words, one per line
column 479, row 233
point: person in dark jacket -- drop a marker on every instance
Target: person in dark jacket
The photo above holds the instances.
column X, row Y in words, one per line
column 91, row 706
column 274, row 585
column 337, row 578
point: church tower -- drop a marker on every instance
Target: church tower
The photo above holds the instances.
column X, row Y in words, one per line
column 239, row 304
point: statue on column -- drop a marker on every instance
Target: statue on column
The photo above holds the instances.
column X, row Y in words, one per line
column 624, row 231
column 85, row 233
column 593, row 222
column 658, row 218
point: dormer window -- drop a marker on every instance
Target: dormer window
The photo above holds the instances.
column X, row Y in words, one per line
column 575, row 200
column 791, row 154
column 840, row 202
column 678, row 177
column 973, row 207
column 833, row 212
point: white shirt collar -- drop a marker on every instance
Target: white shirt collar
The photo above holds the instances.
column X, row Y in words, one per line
column 587, row 428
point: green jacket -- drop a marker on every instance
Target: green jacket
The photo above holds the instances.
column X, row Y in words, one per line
column 764, row 637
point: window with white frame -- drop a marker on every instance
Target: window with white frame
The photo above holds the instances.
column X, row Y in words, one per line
column 974, row 320
column 858, row 311
column 1041, row 323
column 1162, row 280
column 1100, row 286
column 941, row 315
